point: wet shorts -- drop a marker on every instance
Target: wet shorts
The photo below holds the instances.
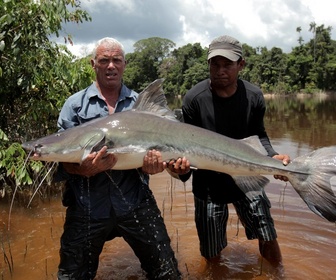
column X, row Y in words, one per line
column 211, row 221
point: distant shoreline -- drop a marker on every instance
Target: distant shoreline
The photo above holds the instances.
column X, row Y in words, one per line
column 320, row 95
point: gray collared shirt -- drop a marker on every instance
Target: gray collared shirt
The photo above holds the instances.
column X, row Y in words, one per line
column 118, row 191
column 88, row 104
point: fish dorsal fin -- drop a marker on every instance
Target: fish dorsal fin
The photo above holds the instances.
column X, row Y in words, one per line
column 254, row 142
column 153, row 100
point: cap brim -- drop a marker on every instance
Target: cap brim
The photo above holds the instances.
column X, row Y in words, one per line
column 225, row 53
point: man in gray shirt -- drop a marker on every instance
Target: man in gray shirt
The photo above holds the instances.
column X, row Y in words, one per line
column 103, row 203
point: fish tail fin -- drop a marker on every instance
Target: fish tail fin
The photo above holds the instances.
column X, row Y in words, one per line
column 313, row 181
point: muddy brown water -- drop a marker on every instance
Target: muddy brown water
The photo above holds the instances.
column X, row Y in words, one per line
column 30, row 249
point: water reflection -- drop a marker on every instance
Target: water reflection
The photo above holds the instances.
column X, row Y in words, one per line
column 305, row 120
column 295, row 126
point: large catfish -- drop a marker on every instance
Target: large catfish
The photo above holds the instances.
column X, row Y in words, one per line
column 151, row 125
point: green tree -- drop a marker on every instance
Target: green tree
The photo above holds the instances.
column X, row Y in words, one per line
column 300, row 40
column 36, row 75
column 186, row 67
column 271, row 66
column 32, row 67
column 312, row 28
column 299, row 63
column 144, row 63
column 193, row 75
column 250, row 71
column 311, row 66
column 323, row 68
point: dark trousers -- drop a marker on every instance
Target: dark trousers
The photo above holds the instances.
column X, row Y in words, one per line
column 143, row 229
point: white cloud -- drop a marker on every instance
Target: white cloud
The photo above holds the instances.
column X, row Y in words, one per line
column 255, row 22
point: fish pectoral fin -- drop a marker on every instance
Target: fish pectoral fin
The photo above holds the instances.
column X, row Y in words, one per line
column 252, row 186
column 95, row 143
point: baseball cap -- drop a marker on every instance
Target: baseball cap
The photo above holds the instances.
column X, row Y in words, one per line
column 226, row 46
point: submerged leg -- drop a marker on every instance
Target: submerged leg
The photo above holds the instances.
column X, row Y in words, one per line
column 270, row 250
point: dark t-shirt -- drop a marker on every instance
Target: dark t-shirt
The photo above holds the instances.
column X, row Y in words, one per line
column 238, row 116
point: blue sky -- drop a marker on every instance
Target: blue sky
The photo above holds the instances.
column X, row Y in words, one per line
column 270, row 23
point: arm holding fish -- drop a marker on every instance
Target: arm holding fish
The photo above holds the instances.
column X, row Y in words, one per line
column 101, row 161
column 270, row 151
column 93, row 164
column 178, row 168
column 283, row 157
column 285, row 160
column 153, row 163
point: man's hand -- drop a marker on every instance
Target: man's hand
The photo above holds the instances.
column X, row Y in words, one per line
column 285, row 160
column 153, row 163
column 180, row 166
column 93, row 164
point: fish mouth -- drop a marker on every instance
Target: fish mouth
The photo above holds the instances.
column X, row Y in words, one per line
column 33, row 151
column 37, row 150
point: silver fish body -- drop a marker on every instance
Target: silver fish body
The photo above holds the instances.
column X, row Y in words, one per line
column 130, row 134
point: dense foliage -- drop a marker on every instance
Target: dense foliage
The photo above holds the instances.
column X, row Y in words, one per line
column 36, row 75
column 309, row 67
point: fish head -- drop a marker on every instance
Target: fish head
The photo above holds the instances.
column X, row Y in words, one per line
column 71, row 145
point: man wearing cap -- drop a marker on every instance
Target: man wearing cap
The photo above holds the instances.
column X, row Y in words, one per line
column 235, row 108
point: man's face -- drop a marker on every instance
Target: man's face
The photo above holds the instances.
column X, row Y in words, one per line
column 109, row 65
column 224, row 72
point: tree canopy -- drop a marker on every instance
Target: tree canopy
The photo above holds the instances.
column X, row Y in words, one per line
column 308, row 67
column 36, row 76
